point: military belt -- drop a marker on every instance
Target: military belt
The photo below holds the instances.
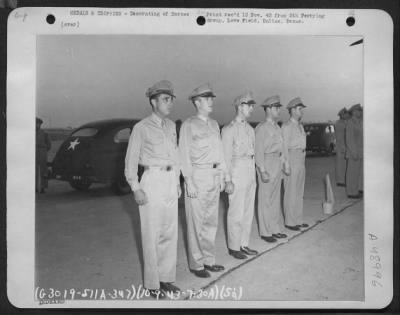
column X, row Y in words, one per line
column 245, row 157
column 274, row 154
column 158, row 167
column 206, row 165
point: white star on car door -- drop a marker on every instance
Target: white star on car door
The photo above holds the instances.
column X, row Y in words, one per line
column 73, row 144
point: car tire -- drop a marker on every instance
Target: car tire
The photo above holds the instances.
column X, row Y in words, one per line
column 121, row 186
column 80, row 185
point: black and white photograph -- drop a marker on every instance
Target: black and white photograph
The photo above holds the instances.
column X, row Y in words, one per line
column 201, row 167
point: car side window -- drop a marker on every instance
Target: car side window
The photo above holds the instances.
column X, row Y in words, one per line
column 85, row 132
column 122, row 135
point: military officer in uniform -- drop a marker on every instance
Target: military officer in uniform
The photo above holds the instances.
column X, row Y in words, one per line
column 354, row 153
column 239, row 140
column 341, row 162
column 43, row 145
column 271, row 164
column 204, row 171
column 294, row 140
column 153, row 144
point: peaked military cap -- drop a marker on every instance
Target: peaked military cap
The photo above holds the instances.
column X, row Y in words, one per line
column 245, row 98
column 39, row 121
column 343, row 111
column 161, row 87
column 355, row 107
column 204, row 90
column 295, row 102
column 272, row 101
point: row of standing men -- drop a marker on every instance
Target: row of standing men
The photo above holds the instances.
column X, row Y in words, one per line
column 349, row 150
column 212, row 162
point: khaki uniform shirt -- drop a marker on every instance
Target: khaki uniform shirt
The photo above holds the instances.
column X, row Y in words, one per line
column 200, row 144
column 294, row 136
column 153, row 142
column 269, row 140
column 354, row 138
column 340, row 132
column 238, row 140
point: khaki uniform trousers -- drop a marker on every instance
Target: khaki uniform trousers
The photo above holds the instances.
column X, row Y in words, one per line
column 202, row 217
column 269, row 197
column 341, row 163
column 241, row 203
column 41, row 169
column 294, row 188
column 159, row 227
column 354, row 176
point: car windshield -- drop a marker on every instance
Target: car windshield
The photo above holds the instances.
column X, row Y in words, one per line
column 85, row 132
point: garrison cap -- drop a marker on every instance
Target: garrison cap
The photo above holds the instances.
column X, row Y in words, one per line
column 272, row 101
column 355, row 107
column 204, row 90
column 295, row 102
column 245, row 98
column 161, row 87
column 39, row 121
column 343, row 111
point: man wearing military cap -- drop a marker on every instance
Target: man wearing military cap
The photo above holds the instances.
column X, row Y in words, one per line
column 43, row 145
column 203, row 167
column 153, row 144
column 239, row 141
column 341, row 162
column 354, row 153
column 294, row 140
column 270, row 162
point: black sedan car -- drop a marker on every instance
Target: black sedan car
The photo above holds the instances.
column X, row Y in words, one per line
column 95, row 153
column 320, row 137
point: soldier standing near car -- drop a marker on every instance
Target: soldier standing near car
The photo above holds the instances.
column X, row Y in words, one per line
column 271, row 164
column 238, row 139
column 354, row 153
column 153, row 145
column 43, row 145
column 294, row 140
column 204, row 171
column 341, row 162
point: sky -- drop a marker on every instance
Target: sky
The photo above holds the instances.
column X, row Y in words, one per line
column 83, row 78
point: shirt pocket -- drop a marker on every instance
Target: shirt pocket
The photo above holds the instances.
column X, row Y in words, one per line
column 155, row 139
column 201, row 140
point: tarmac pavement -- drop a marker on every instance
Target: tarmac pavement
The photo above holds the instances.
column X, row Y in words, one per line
column 91, row 240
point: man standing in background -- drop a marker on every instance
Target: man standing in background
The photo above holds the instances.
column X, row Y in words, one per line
column 270, row 162
column 43, row 145
column 354, row 153
column 204, row 171
column 153, row 144
column 239, row 141
column 341, row 162
column 294, row 139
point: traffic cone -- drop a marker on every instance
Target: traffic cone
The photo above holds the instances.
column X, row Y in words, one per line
column 329, row 198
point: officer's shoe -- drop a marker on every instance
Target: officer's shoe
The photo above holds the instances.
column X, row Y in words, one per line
column 201, row 273
column 156, row 293
column 279, row 235
column 341, row 184
column 293, row 228
column 354, row 196
column 248, row 251
column 269, row 239
column 237, row 254
column 169, row 287
column 214, row 268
